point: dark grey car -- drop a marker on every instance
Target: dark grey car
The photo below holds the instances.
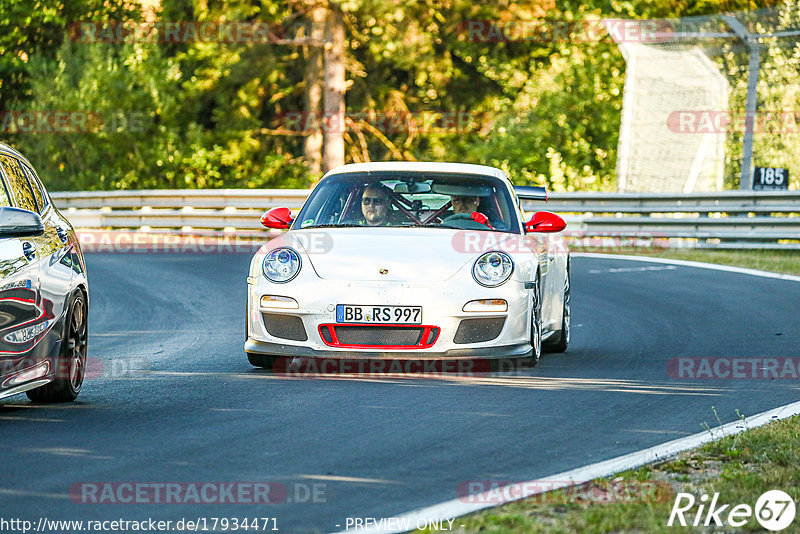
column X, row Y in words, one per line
column 43, row 290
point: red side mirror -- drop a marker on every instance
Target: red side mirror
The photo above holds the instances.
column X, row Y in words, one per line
column 279, row 218
column 545, row 221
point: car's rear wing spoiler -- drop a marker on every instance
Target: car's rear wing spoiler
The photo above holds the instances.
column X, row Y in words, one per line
column 531, row 192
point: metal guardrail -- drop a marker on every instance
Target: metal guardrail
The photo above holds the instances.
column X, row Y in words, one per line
column 729, row 219
column 175, row 209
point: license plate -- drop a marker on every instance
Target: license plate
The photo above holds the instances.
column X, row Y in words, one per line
column 346, row 313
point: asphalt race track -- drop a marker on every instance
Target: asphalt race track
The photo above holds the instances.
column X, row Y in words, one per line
column 178, row 401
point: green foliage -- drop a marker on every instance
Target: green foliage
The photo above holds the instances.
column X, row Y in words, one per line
column 548, row 112
column 209, row 114
column 148, row 136
column 779, row 92
column 562, row 129
column 183, row 116
column 33, row 28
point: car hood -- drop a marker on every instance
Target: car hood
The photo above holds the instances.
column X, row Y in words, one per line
column 405, row 254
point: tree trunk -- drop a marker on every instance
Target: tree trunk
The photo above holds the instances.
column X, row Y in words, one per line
column 335, row 87
column 315, row 74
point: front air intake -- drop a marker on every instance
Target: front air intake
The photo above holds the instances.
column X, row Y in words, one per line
column 285, row 326
column 478, row 330
column 379, row 336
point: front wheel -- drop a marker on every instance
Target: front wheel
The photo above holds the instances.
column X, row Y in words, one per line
column 536, row 325
column 71, row 366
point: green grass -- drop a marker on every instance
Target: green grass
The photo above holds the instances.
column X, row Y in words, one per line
column 740, row 468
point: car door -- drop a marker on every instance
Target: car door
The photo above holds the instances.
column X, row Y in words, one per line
column 546, row 254
column 58, row 243
column 551, row 298
column 52, row 251
column 548, row 268
column 21, row 310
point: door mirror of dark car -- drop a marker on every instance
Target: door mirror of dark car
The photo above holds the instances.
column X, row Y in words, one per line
column 17, row 222
column 545, row 221
column 279, row 218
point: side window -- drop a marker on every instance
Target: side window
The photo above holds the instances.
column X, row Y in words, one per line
column 38, row 189
column 18, row 184
column 4, row 201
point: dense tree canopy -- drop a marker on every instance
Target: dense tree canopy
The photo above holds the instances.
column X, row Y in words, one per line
column 195, row 113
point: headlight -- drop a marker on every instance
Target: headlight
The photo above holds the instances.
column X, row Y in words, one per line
column 281, row 265
column 492, row 269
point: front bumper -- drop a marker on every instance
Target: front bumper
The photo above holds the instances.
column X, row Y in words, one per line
column 442, row 307
column 281, row 349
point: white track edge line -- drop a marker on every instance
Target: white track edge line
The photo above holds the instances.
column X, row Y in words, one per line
column 458, row 507
column 688, row 263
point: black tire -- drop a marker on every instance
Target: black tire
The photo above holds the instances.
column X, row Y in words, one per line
column 560, row 341
column 71, row 366
column 261, row 360
column 536, row 325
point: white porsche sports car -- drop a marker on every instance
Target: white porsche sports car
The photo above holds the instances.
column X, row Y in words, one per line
column 410, row 260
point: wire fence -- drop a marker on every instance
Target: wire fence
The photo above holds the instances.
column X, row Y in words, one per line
column 711, row 101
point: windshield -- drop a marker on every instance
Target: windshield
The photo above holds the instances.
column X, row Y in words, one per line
column 407, row 199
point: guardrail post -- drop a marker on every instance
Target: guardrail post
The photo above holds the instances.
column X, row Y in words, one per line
column 746, row 174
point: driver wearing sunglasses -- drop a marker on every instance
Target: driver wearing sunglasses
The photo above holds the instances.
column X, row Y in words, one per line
column 375, row 205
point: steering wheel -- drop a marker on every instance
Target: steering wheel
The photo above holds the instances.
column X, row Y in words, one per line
column 468, row 221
